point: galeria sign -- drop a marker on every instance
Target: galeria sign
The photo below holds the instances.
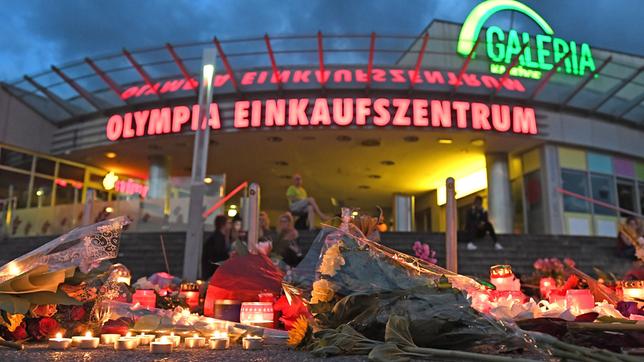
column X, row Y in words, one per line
column 329, row 112
column 536, row 54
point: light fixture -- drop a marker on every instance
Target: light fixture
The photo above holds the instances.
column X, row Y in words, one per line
column 232, row 211
column 207, row 180
column 354, row 213
column 208, row 70
column 109, row 210
column 464, row 186
column 387, row 163
column 477, row 142
column 40, row 192
column 110, row 154
column 445, row 141
column 109, row 181
column 410, row 139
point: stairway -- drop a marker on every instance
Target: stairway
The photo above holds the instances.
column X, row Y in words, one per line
column 141, row 252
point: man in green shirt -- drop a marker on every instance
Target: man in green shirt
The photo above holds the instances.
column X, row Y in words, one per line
column 299, row 202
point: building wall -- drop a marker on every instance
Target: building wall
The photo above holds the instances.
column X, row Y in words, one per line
column 22, row 127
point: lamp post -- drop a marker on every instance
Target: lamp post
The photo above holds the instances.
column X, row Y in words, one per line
column 194, row 235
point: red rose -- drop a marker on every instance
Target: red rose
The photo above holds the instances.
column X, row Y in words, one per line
column 48, row 327
column 77, row 313
column 20, row 333
column 119, row 326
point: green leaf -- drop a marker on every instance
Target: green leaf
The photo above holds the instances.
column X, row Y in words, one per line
column 147, row 323
column 397, row 331
column 387, row 352
column 14, row 304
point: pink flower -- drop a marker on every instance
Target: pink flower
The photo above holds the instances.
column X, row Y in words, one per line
column 569, row 262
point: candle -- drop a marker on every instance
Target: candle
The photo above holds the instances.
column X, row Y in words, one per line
column 546, row 285
column 145, row 339
column 252, row 343
column 161, row 345
column 579, row 300
column 59, row 343
column 136, row 339
column 195, row 341
column 145, row 297
column 219, row 340
column 88, row 341
column 633, row 291
column 176, row 340
column 192, row 298
column 109, row 338
column 125, row 343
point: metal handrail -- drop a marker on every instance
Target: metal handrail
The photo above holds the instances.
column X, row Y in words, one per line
column 223, row 200
column 597, row 202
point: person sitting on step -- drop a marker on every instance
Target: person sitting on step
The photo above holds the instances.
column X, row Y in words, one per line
column 477, row 225
column 301, row 204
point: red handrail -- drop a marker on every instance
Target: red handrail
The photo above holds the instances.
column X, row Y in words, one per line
column 600, row 203
column 218, row 204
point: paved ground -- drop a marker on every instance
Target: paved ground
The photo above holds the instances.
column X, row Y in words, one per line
column 40, row 353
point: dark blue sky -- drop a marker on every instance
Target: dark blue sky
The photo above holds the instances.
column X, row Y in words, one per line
column 37, row 33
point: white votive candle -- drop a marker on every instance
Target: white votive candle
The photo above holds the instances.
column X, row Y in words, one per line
column 145, row 339
column 59, row 343
column 252, row 343
column 88, row 341
column 109, row 338
column 219, row 340
column 161, row 345
column 125, row 344
column 195, row 341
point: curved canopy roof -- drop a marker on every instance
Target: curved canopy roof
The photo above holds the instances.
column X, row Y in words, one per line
column 97, row 86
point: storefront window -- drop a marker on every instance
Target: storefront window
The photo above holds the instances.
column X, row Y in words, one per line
column 71, row 172
column 15, row 186
column 517, row 201
column 67, row 194
column 41, row 192
column 575, row 181
column 534, row 205
column 626, row 195
column 45, row 166
column 603, row 190
column 15, row 159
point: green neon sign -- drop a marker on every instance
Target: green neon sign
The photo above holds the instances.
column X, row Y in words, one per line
column 542, row 53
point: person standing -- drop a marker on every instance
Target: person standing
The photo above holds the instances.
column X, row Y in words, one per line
column 477, row 225
column 286, row 244
column 216, row 248
column 300, row 203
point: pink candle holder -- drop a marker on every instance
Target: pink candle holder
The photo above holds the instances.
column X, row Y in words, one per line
column 147, row 298
column 580, row 300
column 546, row 285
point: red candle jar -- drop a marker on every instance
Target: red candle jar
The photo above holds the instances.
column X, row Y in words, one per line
column 580, row 300
column 147, row 298
column 190, row 292
column 546, row 285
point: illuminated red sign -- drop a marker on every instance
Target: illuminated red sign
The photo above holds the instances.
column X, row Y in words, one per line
column 327, row 112
column 331, row 77
column 131, row 187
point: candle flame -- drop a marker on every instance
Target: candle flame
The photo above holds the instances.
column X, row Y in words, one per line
column 195, row 335
column 163, row 339
column 171, row 334
column 59, row 335
column 129, row 334
column 88, row 334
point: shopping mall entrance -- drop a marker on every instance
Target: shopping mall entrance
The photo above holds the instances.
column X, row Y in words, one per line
column 362, row 168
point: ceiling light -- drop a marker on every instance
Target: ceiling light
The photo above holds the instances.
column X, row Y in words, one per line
column 109, row 210
column 40, row 192
column 445, row 141
column 207, row 180
column 364, row 187
column 375, row 176
column 110, row 154
column 387, row 163
column 477, row 142
column 371, row 142
column 343, row 138
column 274, row 139
column 281, row 163
column 410, row 139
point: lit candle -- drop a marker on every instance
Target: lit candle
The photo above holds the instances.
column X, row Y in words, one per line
column 633, row 291
column 161, row 345
column 219, row 340
column 109, row 338
column 136, row 339
column 176, row 340
column 145, row 339
column 145, row 297
column 579, row 300
column 252, row 343
column 88, row 341
column 125, row 343
column 59, row 343
column 546, row 285
column 192, row 298
column 195, row 341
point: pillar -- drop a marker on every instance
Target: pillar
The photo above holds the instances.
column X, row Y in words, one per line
column 499, row 195
column 403, row 212
column 158, row 177
column 550, row 182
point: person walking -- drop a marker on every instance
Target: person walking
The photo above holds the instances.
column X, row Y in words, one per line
column 477, row 225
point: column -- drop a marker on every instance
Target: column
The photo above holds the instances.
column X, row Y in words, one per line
column 403, row 212
column 550, row 181
column 158, row 177
column 499, row 197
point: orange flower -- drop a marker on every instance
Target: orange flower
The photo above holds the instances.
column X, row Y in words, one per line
column 45, row 310
column 299, row 331
column 11, row 321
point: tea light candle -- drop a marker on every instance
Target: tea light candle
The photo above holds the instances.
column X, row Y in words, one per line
column 195, row 341
column 252, row 343
column 176, row 340
column 219, row 340
column 59, row 343
column 109, row 338
column 145, row 339
column 161, row 345
column 88, row 341
column 136, row 339
column 125, row 343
